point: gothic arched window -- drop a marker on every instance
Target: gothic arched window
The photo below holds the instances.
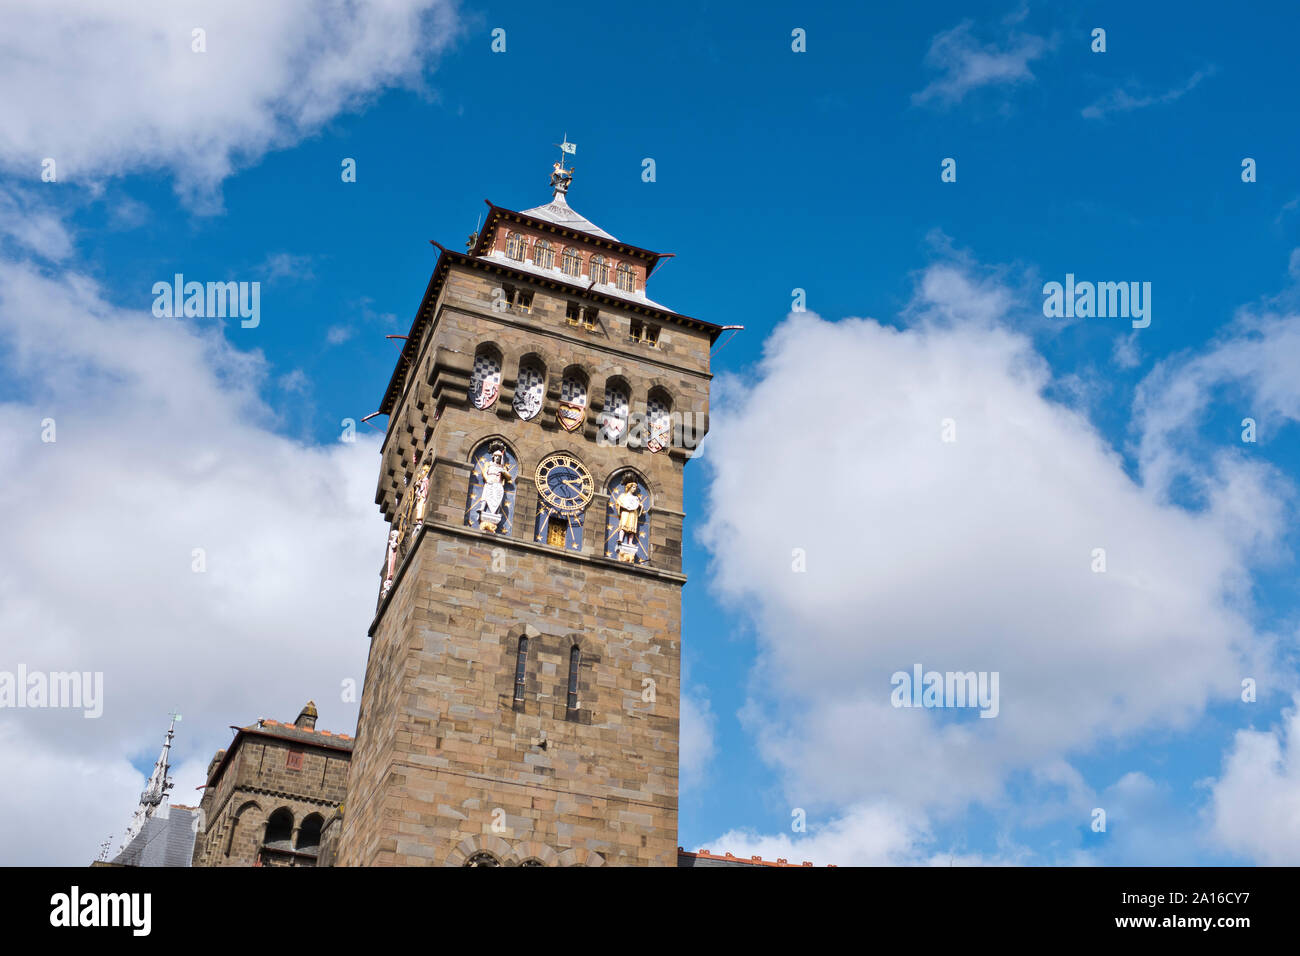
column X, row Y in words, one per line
column 626, row 277
column 485, row 378
column 543, row 254
column 516, row 246
column 599, row 269
column 482, row 858
column 575, row 660
column 530, row 389
column 490, row 504
column 627, row 520
column 571, row 262
column 521, row 671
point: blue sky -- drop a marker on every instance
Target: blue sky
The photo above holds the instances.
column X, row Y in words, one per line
column 776, row 171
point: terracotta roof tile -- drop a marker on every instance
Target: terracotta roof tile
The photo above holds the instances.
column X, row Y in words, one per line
column 752, row 861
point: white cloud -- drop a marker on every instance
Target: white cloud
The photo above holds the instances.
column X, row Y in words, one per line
column 32, row 226
column 1121, row 101
column 1255, row 804
column 163, row 446
column 1126, row 354
column 111, row 88
column 971, row 555
column 966, row 64
column 285, row 265
column 338, row 334
column 876, row 834
column 697, row 738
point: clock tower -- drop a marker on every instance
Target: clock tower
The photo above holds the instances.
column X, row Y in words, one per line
column 521, row 698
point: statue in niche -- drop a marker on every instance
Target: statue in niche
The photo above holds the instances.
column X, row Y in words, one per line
column 486, row 512
column 394, row 540
column 421, row 495
column 631, row 507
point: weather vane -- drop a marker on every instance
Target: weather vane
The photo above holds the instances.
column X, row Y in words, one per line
column 561, row 177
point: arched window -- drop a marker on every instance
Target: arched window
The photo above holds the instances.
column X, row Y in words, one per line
column 613, row 417
column 516, row 246
column 571, row 262
column 575, row 660
column 482, row 858
column 521, row 671
column 279, row 829
column 543, row 254
column 490, row 505
column 659, row 421
column 627, row 521
column 309, row 833
column 485, row 378
column 626, row 277
column 599, row 269
column 530, row 389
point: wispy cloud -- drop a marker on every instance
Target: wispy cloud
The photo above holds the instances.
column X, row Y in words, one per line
column 1122, row 101
column 284, row 265
column 966, row 64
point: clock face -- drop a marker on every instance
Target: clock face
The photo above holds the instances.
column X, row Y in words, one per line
column 564, row 483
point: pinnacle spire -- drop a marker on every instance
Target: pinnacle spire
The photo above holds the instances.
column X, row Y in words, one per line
column 156, row 790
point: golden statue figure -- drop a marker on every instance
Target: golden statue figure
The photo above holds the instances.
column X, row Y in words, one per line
column 631, row 507
column 421, row 493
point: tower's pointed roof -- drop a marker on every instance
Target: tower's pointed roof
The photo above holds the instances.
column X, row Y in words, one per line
column 561, row 213
column 156, row 791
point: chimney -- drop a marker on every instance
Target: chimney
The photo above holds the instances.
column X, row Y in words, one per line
column 307, row 718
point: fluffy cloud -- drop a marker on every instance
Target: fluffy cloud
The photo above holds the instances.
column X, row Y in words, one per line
column 109, row 88
column 697, row 736
column 970, row 555
column 966, row 64
column 162, row 447
column 1255, row 804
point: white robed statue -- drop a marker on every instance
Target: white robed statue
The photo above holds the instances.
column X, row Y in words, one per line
column 486, row 511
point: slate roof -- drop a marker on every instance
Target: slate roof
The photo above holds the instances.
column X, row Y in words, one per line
column 561, row 213
column 166, row 839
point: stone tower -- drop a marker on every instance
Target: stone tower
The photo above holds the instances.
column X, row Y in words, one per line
column 521, row 697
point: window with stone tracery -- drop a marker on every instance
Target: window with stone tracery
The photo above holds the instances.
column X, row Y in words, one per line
column 571, row 262
column 626, row 277
column 543, row 254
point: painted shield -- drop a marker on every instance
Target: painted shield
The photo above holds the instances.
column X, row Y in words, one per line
column 485, row 380
column 570, row 415
column 659, row 426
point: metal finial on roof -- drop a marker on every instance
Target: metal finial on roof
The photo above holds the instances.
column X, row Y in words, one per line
column 561, row 178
